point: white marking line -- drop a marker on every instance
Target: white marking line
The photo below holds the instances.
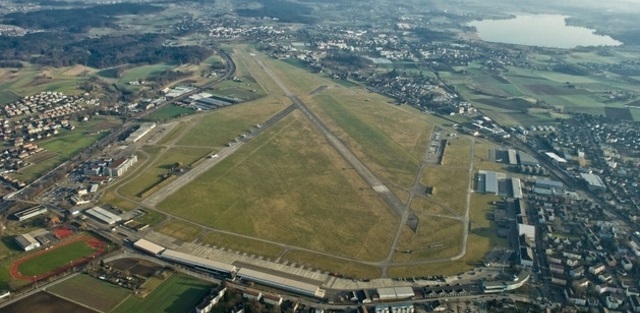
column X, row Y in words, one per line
column 380, row 188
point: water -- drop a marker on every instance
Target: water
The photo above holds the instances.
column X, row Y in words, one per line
column 543, row 30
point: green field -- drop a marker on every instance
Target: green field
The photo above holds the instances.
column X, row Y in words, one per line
column 305, row 193
column 241, row 244
column 169, row 112
column 180, row 230
column 436, row 238
column 217, row 128
column 179, row 293
column 152, row 175
column 92, row 292
column 142, row 72
column 8, row 96
column 55, row 259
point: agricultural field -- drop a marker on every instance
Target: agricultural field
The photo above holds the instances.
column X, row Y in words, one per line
column 178, row 293
column 309, row 186
column 31, row 79
column 92, row 292
column 44, row 302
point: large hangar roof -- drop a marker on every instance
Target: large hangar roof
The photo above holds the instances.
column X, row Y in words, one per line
column 197, row 261
column 148, row 246
column 281, row 282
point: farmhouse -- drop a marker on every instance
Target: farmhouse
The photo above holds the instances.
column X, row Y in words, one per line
column 27, row 242
column 103, row 215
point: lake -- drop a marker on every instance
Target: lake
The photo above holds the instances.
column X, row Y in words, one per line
column 543, row 30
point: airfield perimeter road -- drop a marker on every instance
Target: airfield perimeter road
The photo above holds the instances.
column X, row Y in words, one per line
column 397, row 205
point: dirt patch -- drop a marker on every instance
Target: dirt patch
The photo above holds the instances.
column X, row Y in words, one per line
column 618, row 113
column 43, row 302
column 136, row 266
column 42, row 156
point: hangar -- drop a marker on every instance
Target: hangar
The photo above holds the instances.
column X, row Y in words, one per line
column 282, row 282
column 148, row 247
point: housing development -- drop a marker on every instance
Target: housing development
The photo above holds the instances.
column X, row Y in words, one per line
column 309, row 156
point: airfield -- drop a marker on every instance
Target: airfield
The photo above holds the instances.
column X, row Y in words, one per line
column 317, row 172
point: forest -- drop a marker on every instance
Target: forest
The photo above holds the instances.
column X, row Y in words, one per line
column 59, row 49
column 77, row 20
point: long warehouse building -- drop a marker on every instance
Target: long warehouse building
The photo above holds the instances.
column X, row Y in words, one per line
column 103, row 215
column 149, row 247
column 198, row 262
column 282, row 283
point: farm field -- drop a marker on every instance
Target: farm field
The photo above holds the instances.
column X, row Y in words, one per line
column 32, row 79
column 92, row 292
column 178, row 293
column 309, row 186
column 44, row 302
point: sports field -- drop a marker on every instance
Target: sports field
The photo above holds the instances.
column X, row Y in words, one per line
column 179, row 293
column 92, row 292
column 69, row 253
column 307, row 196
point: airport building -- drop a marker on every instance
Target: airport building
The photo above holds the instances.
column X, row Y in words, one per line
column 281, row 282
column 149, row 247
column 144, row 129
column 103, row 215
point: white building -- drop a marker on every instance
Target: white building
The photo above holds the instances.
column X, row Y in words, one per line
column 27, row 242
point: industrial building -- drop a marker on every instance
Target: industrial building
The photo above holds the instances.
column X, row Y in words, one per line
column 281, row 282
column 30, row 213
column 144, row 129
column 396, row 308
column 527, row 160
column 149, row 247
column 395, row 293
column 120, row 166
column 198, row 262
column 513, row 159
column 549, row 184
column 488, row 182
column 103, row 215
column 594, row 182
column 516, row 188
column 27, row 242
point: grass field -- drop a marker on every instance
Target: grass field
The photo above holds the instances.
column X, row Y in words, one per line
column 55, row 259
column 220, row 126
column 142, row 72
column 170, row 112
column 92, row 292
column 333, row 265
column 179, row 293
column 44, row 302
column 241, row 244
column 435, row 238
column 169, row 157
column 305, row 193
column 180, row 230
